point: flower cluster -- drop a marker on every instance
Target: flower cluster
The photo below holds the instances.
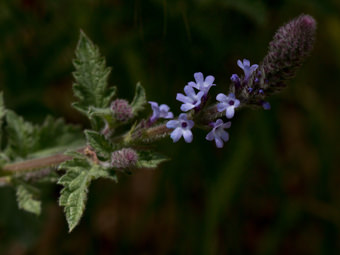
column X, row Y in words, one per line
column 194, row 102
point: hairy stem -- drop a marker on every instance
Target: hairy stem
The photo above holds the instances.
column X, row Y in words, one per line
column 54, row 160
column 38, row 163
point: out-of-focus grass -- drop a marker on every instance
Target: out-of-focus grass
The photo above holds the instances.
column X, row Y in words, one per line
column 273, row 189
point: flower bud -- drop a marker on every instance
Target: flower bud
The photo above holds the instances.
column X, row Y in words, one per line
column 124, row 158
column 290, row 46
column 121, row 109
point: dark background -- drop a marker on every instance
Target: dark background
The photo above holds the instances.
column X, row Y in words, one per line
column 273, row 189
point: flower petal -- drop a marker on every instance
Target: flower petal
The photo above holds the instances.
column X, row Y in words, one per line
column 209, row 80
column 218, row 123
column 164, row 108
column 219, row 142
column 186, row 107
column 189, row 91
column 176, row 134
column 226, row 125
column 221, row 97
column 210, row 136
column 198, row 77
column 246, row 63
column 172, row 124
column 224, row 135
column 191, row 123
column 187, row 135
column 180, row 97
column 221, row 107
column 183, row 116
column 193, row 84
column 230, row 112
column 169, row 115
column 240, row 64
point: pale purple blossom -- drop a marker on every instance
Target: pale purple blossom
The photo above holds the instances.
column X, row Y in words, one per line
column 182, row 127
column 162, row 111
column 218, row 133
column 227, row 104
column 191, row 100
column 245, row 66
column 201, row 83
column 235, row 79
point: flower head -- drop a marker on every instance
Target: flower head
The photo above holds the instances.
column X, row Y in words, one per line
column 121, row 109
column 182, row 127
column 290, row 46
column 245, row 66
column 228, row 104
column 161, row 111
column 201, row 83
column 218, row 133
column 124, row 158
column 191, row 100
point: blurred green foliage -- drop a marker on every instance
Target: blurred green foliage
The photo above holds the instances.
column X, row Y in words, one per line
column 273, row 189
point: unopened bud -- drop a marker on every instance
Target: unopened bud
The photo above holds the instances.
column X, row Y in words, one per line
column 290, row 46
column 122, row 110
column 124, row 158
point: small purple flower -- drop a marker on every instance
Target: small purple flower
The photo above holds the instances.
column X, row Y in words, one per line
column 235, row 79
column 261, row 91
column 182, row 127
column 201, row 83
column 161, row 111
column 218, row 133
column 192, row 100
column 227, row 103
column 266, row 105
column 245, row 66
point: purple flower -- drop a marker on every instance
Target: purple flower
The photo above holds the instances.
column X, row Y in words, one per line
column 201, row 83
column 266, row 105
column 192, row 100
column 227, row 103
column 245, row 66
column 161, row 111
column 235, row 79
column 182, row 127
column 218, row 133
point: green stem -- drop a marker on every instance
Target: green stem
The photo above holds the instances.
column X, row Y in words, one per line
column 36, row 164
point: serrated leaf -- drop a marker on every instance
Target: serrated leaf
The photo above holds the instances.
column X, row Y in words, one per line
column 149, row 159
column 26, row 199
column 55, row 132
column 21, row 136
column 2, row 114
column 97, row 141
column 80, row 171
column 139, row 99
column 91, row 77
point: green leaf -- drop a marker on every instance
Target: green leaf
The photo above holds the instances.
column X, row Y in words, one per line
column 55, row 132
column 97, row 141
column 80, row 171
column 26, row 199
column 149, row 159
column 26, row 140
column 91, row 77
column 139, row 99
column 21, row 136
column 2, row 114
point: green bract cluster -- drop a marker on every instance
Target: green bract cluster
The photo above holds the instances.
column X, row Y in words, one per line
column 31, row 153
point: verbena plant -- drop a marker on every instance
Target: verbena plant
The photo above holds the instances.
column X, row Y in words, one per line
column 120, row 134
